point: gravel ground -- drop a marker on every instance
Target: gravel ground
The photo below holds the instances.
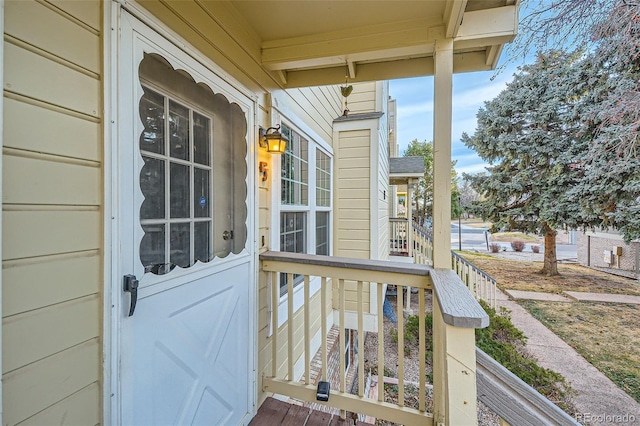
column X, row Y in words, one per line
column 411, row 362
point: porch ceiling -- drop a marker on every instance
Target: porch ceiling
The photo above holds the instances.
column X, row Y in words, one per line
column 315, row 42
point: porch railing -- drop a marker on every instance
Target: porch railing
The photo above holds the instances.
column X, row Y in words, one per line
column 455, row 316
column 514, row 401
column 399, row 236
column 481, row 284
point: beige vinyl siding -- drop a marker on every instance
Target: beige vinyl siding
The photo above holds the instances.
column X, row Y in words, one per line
column 52, row 231
column 363, row 98
column 352, row 199
column 384, row 195
column 352, row 206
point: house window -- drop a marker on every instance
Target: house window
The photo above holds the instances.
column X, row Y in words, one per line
column 304, row 220
column 323, row 179
column 323, row 202
column 322, row 233
column 295, row 165
column 184, row 170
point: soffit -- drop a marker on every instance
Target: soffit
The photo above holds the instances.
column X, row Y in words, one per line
column 316, row 42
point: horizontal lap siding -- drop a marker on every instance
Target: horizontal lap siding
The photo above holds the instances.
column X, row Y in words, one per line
column 52, row 213
column 363, row 98
column 383, row 194
column 353, row 213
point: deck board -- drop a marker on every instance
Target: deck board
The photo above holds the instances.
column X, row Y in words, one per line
column 275, row 412
column 296, row 416
column 271, row 412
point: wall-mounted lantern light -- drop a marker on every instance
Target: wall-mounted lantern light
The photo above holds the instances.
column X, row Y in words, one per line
column 273, row 140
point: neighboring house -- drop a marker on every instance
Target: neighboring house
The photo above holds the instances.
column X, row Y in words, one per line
column 607, row 251
column 144, row 224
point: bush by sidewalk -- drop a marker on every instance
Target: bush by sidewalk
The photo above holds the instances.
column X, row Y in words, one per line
column 506, row 344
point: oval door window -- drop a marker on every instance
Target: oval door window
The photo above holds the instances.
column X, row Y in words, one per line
column 194, row 175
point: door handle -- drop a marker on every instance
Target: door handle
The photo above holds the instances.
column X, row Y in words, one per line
column 130, row 285
column 227, row 235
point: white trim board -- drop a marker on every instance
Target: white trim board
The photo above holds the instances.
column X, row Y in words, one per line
column 1, row 183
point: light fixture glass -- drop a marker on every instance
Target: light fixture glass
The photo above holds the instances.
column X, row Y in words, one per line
column 273, row 140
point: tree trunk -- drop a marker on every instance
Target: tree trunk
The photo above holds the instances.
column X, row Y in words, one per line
column 550, row 267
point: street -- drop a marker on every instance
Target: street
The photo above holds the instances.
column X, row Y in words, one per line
column 475, row 239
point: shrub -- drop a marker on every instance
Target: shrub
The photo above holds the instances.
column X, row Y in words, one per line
column 535, row 249
column 517, row 245
column 494, row 247
column 505, row 343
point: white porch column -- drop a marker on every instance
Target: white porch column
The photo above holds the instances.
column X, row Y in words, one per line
column 409, row 210
column 442, row 105
column 409, row 237
column 442, row 102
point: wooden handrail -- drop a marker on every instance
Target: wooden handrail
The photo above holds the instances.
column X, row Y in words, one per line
column 512, row 399
column 348, row 263
column 459, row 307
column 397, row 273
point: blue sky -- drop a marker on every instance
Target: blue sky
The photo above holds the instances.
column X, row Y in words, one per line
column 414, row 98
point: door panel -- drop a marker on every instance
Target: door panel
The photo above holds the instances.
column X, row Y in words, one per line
column 190, row 353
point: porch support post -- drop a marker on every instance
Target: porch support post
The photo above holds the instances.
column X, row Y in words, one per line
column 443, row 94
column 409, row 238
column 409, row 203
column 442, row 106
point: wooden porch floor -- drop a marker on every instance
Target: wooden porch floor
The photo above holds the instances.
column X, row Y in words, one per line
column 275, row 412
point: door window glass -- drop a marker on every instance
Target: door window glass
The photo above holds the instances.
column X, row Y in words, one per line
column 194, row 175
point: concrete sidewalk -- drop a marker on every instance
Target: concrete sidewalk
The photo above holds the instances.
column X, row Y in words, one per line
column 573, row 296
column 598, row 401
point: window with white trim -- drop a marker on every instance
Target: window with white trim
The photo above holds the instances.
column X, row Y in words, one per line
column 305, row 221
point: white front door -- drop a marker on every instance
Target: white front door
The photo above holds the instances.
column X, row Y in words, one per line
column 185, row 231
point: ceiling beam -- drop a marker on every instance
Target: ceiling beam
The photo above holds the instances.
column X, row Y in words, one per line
column 390, row 70
column 357, row 44
column 489, row 24
column 453, row 15
column 352, row 69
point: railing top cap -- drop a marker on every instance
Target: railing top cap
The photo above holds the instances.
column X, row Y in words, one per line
column 459, row 308
column 345, row 262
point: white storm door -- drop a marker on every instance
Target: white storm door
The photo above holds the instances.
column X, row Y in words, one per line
column 186, row 352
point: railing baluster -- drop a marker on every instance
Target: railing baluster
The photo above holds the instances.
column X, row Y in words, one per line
column 275, row 298
column 422, row 350
column 323, row 320
column 360, row 341
column 290, row 326
column 400, row 348
column 307, row 332
column 493, row 298
column 343, row 339
column 380, row 345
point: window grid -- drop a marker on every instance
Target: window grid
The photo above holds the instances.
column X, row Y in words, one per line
column 323, row 179
column 169, row 154
column 294, row 170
